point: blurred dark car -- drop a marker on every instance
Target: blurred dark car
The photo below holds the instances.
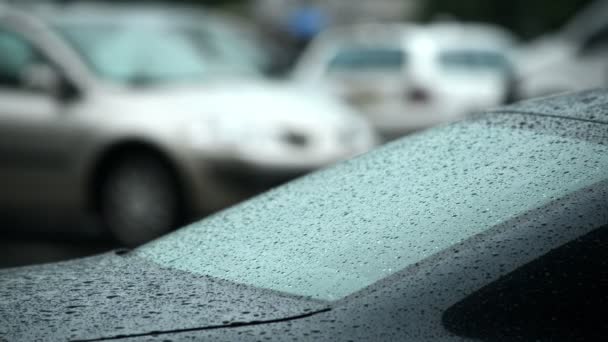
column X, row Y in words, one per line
column 147, row 117
column 494, row 228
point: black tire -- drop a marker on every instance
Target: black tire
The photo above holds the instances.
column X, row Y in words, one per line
column 139, row 199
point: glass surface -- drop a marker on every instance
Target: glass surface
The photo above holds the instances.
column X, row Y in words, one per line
column 147, row 54
column 471, row 60
column 15, row 56
column 367, row 59
column 337, row 231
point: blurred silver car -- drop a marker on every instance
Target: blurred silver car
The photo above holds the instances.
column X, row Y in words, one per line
column 136, row 117
column 410, row 77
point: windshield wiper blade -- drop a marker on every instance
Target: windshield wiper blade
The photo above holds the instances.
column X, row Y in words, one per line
column 209, row 327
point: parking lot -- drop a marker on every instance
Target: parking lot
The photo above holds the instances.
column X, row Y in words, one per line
column 386, row 170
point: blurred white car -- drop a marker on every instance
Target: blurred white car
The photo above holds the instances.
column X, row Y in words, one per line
column 142, row 118
column 409, row 77
column 574, row 58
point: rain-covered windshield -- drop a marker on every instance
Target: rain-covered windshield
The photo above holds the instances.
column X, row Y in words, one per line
column 337, row 231
column 148, row 54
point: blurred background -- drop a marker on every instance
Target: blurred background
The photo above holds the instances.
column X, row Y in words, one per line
column 123, row 120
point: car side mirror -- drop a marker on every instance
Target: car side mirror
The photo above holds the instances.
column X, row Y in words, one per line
column 45, row 79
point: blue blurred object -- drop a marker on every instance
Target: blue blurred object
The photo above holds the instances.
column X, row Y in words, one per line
column 306, row 22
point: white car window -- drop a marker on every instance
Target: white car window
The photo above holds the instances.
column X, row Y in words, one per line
column 473, row 60
column 140, row 54
column 360, row 59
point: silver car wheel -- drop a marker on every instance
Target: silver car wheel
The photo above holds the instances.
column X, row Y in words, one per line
column 139, row 200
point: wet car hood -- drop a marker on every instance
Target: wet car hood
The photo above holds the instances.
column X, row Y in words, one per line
column 110, row 296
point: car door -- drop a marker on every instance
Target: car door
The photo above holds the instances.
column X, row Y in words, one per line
column 38, row 136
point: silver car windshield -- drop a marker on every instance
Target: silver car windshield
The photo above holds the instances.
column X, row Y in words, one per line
column 148, row 54
column 337, row 231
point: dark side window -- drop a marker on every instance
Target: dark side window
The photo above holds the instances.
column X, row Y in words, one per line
column 561, row 296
